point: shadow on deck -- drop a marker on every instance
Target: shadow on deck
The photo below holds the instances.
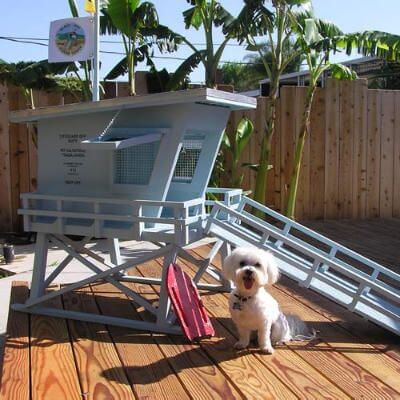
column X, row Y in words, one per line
column 377, row 239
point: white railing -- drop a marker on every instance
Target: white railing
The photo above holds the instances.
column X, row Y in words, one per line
column 179, row 222
column 229, row 197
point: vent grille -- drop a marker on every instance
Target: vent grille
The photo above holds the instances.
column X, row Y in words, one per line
column 134, row 165
column 188, row 158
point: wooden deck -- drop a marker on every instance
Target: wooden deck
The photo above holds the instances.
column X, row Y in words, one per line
column 48, row 358
column 377, row 239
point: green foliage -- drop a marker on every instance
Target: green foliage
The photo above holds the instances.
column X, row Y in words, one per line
column 129, row 16
column 247, row 76
column 139, row 26
column 205, row 15
column 233, row 148
column 161, row 81
column 317, row 39
column 273, row 23
column 371, row 43
column 182, row 72
column 33, row 74
column 340, row 71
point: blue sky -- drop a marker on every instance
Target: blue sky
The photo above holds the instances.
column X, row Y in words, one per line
column 26, row 18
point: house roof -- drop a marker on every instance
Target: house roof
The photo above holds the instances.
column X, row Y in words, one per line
column 365, row 61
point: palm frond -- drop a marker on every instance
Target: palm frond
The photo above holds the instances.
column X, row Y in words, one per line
column 185, row 69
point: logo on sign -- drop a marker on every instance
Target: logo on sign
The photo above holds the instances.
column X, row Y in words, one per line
column 70, row 39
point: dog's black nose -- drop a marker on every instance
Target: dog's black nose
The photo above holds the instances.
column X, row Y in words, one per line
column 248, row 272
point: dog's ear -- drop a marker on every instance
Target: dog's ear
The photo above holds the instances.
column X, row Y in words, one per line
column 228, row 267
column 272, row 268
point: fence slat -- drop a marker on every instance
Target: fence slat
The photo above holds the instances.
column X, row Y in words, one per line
column 386, row 156
column 317, row 156
column 13, row 96
column 360, row 143
column 303, row 200
column 23, row 149
column 396, row 158
column 332, row 116
column 5, row 167
column 288, row 129
column 373, row 153
column 346, row 161
column 276, row 171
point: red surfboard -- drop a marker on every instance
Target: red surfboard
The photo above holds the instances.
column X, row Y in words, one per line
column 188, row 306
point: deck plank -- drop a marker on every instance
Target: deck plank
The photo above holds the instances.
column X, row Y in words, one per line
column 95, row 352
column 350, row 360
column 142, row 359
column 378, row 337
column 54, row 374
column 15, row 382
column 373, row 238
column 192, row 366
column 335, row 340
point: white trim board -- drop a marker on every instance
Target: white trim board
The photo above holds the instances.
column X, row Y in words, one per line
column 203, row 96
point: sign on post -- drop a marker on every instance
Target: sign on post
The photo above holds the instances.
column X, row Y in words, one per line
column 71, row 39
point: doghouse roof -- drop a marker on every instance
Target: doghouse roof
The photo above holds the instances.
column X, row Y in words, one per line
column 200, row 96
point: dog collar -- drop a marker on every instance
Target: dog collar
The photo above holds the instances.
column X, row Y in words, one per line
column 242, row 298
column 238, row 304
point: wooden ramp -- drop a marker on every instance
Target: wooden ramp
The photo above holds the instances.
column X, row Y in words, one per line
column 49, row 358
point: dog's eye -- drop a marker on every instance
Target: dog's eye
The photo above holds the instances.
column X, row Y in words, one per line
column 242, row 263
column 258, row 265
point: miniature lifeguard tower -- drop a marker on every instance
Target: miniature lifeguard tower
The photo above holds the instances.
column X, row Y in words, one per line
column 137, row 168
column 127, row 168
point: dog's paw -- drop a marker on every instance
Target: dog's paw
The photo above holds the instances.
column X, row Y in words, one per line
column 240, row 345
column 267, row 349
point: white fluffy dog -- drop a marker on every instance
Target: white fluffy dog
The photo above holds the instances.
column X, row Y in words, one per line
column 252, row 307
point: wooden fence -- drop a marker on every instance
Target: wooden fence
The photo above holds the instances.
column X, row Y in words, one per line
column 351, row 166
column 18, row 154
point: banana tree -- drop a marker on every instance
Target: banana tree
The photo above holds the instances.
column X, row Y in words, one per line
column 274, row 25
column 235, row 147
column 205, row 15
column 138, row 24
column 315, row 37
column 378, row 44
column 232, row 146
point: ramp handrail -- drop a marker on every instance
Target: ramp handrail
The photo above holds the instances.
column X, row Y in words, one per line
column 367, row 293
